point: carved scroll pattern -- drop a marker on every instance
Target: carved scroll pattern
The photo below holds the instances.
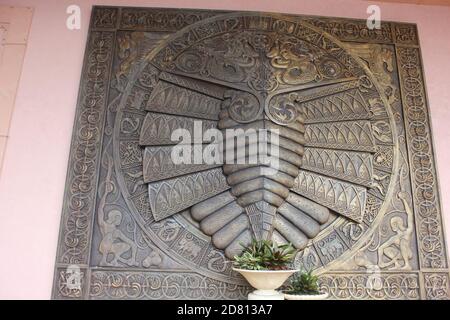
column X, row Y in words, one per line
column 62, row 291
column 423, row 172
column 160, row 284
column 363, row 286
column 437, row 286
column 161, row 20
column 105, row 18
column 79, row 205
column 191, row 52
column 355, row 30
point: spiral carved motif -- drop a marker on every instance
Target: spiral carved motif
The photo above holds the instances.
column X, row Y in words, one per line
column 262, row 188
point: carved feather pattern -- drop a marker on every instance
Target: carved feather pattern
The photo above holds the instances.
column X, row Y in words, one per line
column 170, row 98
column 174, row 195
column 158, row 164
column 158, row 128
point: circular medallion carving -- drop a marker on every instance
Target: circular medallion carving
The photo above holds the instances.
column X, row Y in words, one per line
column 243, row 107
column 282, row 61
column 282, row 109
column 330, row 69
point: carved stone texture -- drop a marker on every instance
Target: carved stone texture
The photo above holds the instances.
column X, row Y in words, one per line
column 286, row 77
column 371, row 286
column 70, row 283
column 158, row 128
column 105, row 18
column 170, row 98
column 159, row 164
column 159, row 284
column 174, row 195
column 437, row 286
column 355, row 188
column 154, row 19
column 423, row 173
column 353, row 30
column 81, row 181
column 345, row 198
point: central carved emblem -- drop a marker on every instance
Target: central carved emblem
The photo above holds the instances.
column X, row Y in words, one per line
column 260, row 188
column 308, row 90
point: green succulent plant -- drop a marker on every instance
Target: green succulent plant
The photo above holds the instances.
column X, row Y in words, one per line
column 265, row 255
column 304, row 283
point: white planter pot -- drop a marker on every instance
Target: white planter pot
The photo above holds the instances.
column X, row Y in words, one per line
column 265, row 282
column 321, row 296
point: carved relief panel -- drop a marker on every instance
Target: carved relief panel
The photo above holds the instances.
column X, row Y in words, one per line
column 355, row 189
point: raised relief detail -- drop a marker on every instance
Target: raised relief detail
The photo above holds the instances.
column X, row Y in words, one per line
column 279, row 77
column 176, row 194
column 172, row 99
column 114, row 244
column 350, row 108
column 346, row 198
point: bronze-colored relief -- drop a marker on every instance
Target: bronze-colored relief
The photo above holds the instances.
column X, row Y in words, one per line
column 355, row 189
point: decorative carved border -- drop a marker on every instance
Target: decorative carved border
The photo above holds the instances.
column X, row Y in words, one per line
column 431, row 282
column 393, row 286
column 356, row 30
column 147, row 19
column 404, row 34
column 432, row 249
column 82, row 174
column 62, row 280
column 436, row 285
column 157, row 285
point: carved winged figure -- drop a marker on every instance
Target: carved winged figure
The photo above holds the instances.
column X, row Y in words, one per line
column 318, row 107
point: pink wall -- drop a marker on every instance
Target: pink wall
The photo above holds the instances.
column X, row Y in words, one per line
column 33, row 177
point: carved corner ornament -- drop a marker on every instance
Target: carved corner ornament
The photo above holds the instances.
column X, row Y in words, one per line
column 355, row 187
